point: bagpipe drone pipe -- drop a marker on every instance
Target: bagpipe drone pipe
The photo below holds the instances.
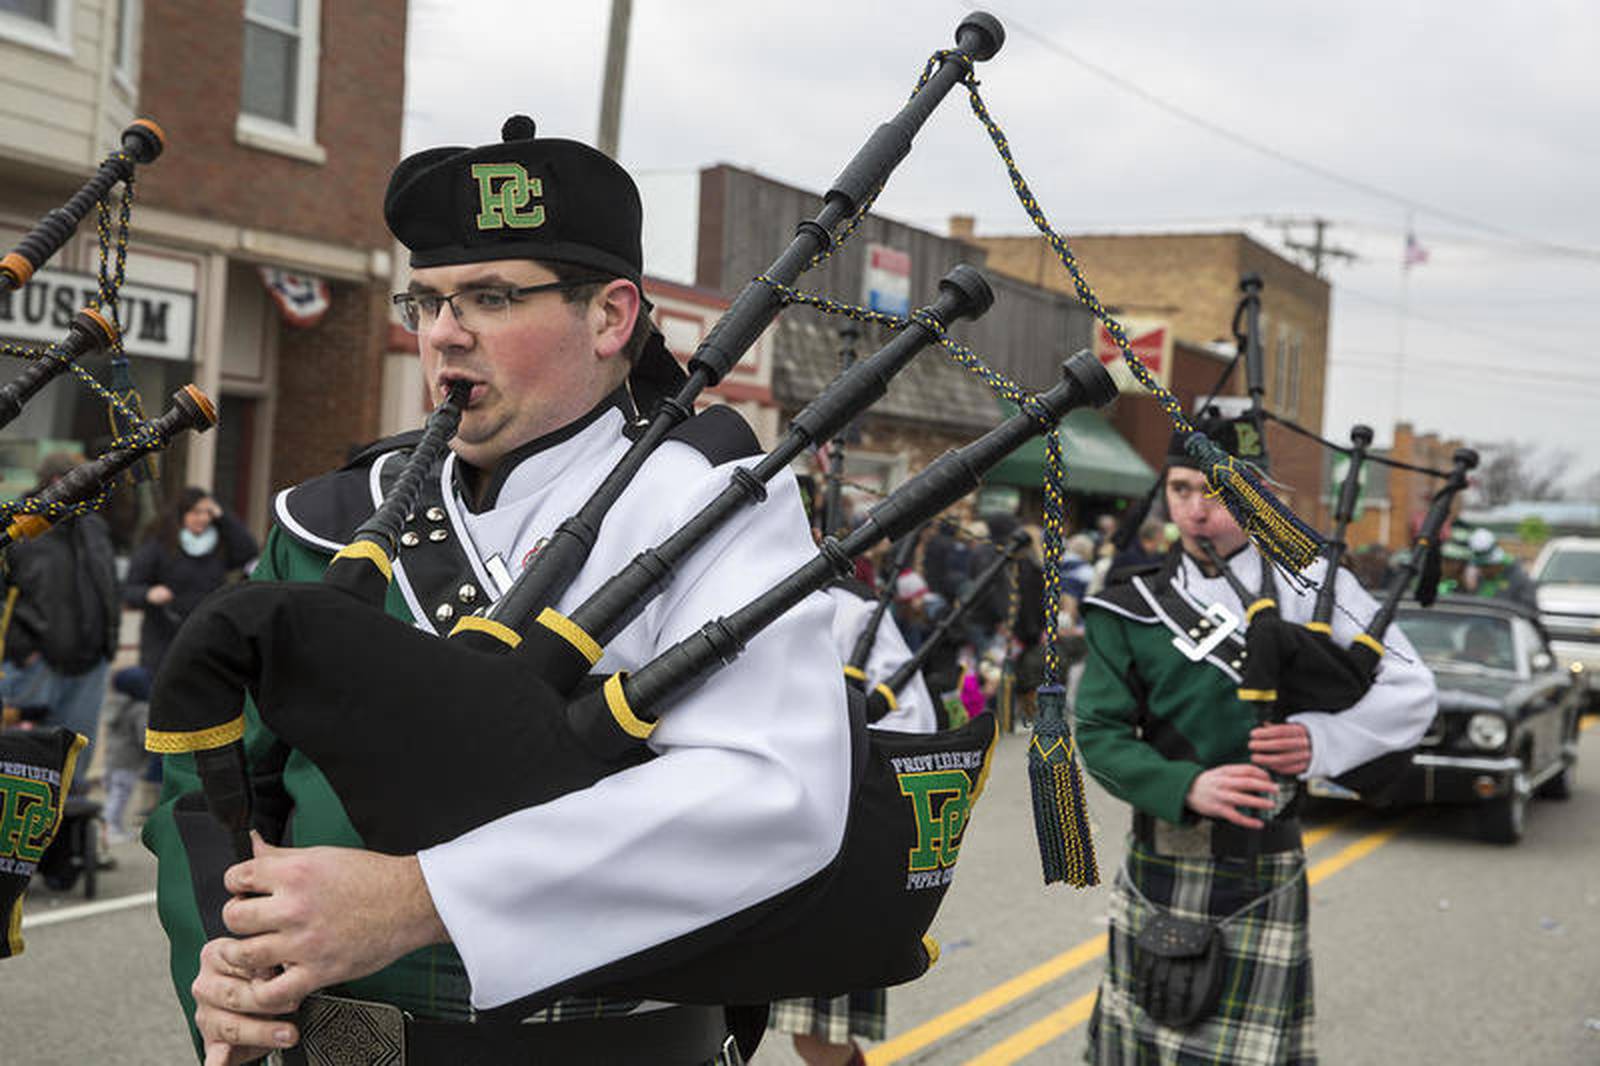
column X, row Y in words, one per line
column 142, row 142
column 882, row 699
column 540, row 728
column 32, row 515
column 1291, row 667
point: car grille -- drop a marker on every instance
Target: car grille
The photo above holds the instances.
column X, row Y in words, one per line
column 1435, row 734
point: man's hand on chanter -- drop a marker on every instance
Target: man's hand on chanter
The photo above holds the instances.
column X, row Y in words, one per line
column 1284, row 748
column 310, row 918
column 233, row 1009
column 1220, row 791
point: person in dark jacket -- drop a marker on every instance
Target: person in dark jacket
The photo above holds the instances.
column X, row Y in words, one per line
column 188, row 554
column 63, row 629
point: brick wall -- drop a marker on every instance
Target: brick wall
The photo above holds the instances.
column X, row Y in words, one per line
column 190, row 85
column 329, row 385
column 1192, row 281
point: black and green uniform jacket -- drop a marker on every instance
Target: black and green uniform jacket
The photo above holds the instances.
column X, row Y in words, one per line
column 1148, row 719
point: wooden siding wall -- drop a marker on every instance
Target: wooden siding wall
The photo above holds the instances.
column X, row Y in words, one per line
column 65, row 111
column 747, row 220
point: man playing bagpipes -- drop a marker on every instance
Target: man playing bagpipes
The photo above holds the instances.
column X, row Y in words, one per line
column 526, row 286
column 1209, row 957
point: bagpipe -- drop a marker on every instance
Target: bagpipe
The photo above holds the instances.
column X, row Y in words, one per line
column 37, row 766
column 881, row 700
column 1290, row 667
column 542, row 727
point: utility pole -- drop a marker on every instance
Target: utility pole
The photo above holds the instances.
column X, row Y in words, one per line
column 611, row 89
column 1318, row 249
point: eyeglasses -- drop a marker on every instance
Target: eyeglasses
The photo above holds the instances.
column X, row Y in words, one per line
column 474, row 308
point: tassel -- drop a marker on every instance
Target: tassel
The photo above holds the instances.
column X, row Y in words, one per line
column 1276, row 530
column 1060, row 810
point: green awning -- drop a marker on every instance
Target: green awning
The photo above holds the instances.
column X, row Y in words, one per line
column 1099, row 462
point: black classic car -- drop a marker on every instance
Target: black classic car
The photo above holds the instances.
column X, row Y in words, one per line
column 1507, row 725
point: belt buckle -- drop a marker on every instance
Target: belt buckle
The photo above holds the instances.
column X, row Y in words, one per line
column 337, row 1031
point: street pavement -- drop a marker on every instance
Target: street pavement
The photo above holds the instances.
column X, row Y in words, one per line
column 1430, row 946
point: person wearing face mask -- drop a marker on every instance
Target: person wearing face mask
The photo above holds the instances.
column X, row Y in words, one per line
column 187, row 554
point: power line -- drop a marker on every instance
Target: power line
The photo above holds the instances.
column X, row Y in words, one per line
column 1514, row 342
column 1283, row 157
column 1522, row 379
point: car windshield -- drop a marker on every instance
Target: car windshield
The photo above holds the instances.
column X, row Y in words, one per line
column 1456, row 638
column 1571, row 568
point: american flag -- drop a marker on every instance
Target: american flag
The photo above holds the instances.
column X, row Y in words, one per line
column 1415, row 252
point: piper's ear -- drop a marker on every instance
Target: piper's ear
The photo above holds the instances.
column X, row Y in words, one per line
column 614, row 310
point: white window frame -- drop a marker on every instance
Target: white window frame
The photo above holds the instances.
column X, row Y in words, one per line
column 298, row 139
column 131, row 15
column 55, row 39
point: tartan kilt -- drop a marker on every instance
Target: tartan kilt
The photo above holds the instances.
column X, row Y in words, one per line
column 833, row 1019
column 1264, row 1017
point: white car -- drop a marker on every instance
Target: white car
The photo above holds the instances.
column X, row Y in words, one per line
column 1567, row 573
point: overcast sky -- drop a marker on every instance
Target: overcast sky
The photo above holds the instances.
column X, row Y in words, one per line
column 1474, row 120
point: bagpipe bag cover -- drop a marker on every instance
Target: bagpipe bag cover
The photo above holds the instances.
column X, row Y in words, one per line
column 36, row 768
column 424, row 739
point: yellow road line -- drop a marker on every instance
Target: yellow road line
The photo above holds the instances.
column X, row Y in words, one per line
column 936, row 1029
column 1052, row 1026
column 1058, row 1023
column 1355, row 852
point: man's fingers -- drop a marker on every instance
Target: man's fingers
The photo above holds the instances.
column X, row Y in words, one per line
column 220, row 1028
column 1250, row 777
column 1284, row 743
column 248, row 877
column 262, row 996
column 250, row 915
column 1238, row 798
column 257, row 956
column 243, row 879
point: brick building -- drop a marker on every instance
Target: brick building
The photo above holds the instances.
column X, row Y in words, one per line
column 282, row 122
column 1190, row 283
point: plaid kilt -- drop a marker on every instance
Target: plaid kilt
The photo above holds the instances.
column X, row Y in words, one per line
column 834, row 1019
column 1265, row 1014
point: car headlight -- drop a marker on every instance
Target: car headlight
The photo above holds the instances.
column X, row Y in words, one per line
column 1487, row 730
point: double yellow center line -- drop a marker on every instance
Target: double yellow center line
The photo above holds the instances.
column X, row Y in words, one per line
column 1059, row 1022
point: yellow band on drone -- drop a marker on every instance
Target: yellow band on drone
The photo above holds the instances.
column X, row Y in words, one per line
column 498, row 630
column 571, row 632
column 617, row 701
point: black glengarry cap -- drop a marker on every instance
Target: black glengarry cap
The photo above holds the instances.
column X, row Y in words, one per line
column 525, row 197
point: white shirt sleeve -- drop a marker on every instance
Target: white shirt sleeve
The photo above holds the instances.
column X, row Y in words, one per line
column 746, row 799
column 1396, row 710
